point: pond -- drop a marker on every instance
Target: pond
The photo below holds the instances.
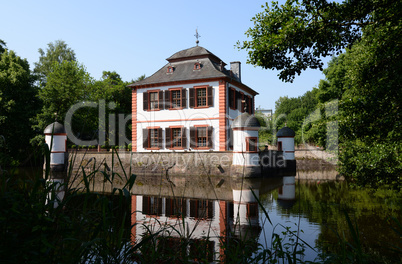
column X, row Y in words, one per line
column 212, row 211
column 218, row 218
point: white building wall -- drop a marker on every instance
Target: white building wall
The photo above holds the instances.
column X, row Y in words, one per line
column 239, row 138
column 234, row 113
column 288, row 147
column 239, row 145
column 240, row 199
column 288, row 188
column 186, row 117
column 58, row 144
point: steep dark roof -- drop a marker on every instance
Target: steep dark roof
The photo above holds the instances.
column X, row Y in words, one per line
column 55, row 128
column 245, row 120
column 285, row 132
column 183, row 68
column 192, row 53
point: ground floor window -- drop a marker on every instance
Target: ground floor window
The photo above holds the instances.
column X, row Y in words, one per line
column 152, row 138
column 201, row 137
column 176, row 137
column 251, row 144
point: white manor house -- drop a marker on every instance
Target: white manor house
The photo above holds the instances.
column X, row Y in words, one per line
column 190, row 104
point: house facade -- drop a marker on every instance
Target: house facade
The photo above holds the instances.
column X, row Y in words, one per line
column 189, row 104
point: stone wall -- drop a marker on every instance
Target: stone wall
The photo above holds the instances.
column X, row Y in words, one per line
column 155, row 163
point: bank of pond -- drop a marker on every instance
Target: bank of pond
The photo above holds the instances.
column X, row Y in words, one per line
column 202, row 219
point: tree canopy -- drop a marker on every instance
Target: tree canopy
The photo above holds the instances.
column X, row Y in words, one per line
column 360, row 98
column 56, row 52
column 296, row 36
column 18, row 103
column 67, row 84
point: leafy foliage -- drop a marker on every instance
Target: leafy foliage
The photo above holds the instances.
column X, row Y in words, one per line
column 358, row 105
column 295, row 36
column 56, row 52
column 18, row 103
column 67, row 84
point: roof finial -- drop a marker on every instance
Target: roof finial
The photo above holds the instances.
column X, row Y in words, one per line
column 197, row 36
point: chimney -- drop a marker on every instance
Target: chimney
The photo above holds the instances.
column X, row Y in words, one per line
column 235, row 69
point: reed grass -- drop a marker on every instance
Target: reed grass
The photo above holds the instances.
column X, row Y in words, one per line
column 90, row 227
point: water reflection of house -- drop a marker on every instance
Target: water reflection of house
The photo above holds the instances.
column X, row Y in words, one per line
column 202, row 213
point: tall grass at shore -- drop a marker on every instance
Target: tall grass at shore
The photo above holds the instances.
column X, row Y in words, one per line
column 91, row 227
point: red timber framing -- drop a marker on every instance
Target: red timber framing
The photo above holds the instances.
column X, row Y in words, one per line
column 134, row 120
column 222, row 116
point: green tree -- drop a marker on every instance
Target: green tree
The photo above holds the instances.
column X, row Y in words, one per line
column 370, row 116
column 68, row 83
column 113, row 90
column 56, row 52
column 296, row 36
column 293, row 112
column 2, row 46
column 18, row 103
column 332, row 87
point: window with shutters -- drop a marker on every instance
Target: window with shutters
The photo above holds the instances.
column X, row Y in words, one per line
column 152, row 137
column 251, row 144
column 201, row 97
column 201, row 209
column 176, row 137
column 175, row 98
column 243, row 102
column 152, row 205
column 153, row 100
column 250, row 107
column 201, row 137
column 232, row 99
column 176, row 207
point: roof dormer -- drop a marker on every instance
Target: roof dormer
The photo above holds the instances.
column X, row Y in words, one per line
column 197, row 66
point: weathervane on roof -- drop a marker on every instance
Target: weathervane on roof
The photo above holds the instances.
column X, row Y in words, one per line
column 197, row 36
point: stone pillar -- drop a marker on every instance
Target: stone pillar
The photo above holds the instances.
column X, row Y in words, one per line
column 56, row 140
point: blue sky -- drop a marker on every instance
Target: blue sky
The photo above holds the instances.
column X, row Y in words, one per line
column 135, row 37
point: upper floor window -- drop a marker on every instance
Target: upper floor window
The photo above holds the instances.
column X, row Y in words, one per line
column 197, row 66
column 153, row 100
column 232, row 99
column 175, row 98
column 201, row 96
column 170, row 69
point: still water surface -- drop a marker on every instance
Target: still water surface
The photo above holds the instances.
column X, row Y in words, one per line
column 213, row 207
